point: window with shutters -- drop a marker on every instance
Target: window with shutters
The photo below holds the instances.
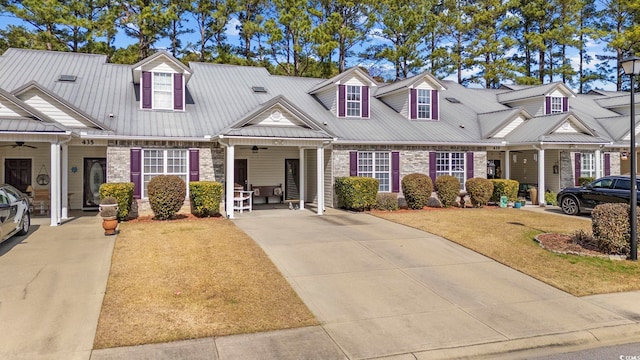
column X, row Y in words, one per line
column 376, row 165
column 354, row 100
column 164, row 162
column 588, row 165
column 451, row 163
column 162, row 91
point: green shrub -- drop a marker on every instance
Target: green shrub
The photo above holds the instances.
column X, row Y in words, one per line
column 387, row 201
column 205, row 198
column 448, row 189
column 504, row 187
column 550, row 198
column 585, row 180
column 121, row 191
column 417, row 189
column 479, row 190
column 610, row 228
column 166, row 195
column 357, row 193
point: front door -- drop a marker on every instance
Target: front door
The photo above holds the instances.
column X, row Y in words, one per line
column 17, row 172
column 95, row 174
column 240, row 172
column 292, row 179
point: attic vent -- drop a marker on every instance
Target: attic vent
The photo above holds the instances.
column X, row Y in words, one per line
column 259, row 89
column 453, row 100
column 67, row 78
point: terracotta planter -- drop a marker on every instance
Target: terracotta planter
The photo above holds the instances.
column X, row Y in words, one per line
column 109, row 225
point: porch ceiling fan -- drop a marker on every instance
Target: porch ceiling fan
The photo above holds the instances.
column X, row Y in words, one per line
column 20, row 144
column 255, row 148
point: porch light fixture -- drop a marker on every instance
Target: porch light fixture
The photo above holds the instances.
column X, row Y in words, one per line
column 631, row 67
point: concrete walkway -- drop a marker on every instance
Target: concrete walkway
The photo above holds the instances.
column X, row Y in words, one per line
column 51, row 288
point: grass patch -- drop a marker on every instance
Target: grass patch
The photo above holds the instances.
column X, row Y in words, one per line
column 176, row 280
column 507, row 236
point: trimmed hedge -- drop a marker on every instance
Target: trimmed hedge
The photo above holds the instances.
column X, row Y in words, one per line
column 585, row 180
column 205, row 198
column 504, row 187
column 610, row 228
column 479, row 190
column 123, row 192
column 448, row 189
column 356, row 193
column 166, row 195
column 417, row 189
column 387, row 201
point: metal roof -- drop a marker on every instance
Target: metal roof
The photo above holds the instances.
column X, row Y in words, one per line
column 532, row 91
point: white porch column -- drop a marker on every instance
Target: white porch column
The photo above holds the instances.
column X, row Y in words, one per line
column 320, row 180
column 54, row 185
column 302, row 177
column 507, row 164
column 65, row 181
column 541, row 175
column 229, row 186
column 598, row 164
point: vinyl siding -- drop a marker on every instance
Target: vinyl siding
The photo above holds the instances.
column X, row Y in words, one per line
column 267, row 166
column 265, row 118
column 329, row 98
column 551, row 180
column 8, row 109
column 49, row 107
column 525, row 173
column 311, row 182
column 399, row 102
column 328, row 179
column 160, row 65
column 509, row 128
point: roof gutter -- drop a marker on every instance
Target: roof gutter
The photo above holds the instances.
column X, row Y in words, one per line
column 149, row 138
column 346, row 142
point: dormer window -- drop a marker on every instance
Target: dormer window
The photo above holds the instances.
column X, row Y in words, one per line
column 162, row 90
column 556, row 105
column 423, row 104
column 353, row 101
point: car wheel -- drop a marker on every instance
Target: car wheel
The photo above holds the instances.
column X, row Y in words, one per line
column 26, row 223
column 569, row 205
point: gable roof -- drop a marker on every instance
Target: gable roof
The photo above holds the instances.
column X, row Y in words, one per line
column 308, row 128
column 543, row 128
column 354, row 71
column 409, row 83
column 492, row 123
column 533, row 92
column 24, row 106
column 619, row 101
column 31, row 85
column 165, row 56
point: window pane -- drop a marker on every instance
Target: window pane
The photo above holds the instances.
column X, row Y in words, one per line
column 353, row 100
column 424, row 104
column 587, row 165
column 451, row 164
column 163, row 162
column 162, row 91
column 376, row 165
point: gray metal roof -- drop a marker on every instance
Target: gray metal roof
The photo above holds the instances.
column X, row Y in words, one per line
column 406, row 83
column 219, row 100
column 530, row 92
column 29, row 126
column 617, row 101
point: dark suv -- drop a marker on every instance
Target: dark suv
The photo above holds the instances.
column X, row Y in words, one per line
column 609, row 189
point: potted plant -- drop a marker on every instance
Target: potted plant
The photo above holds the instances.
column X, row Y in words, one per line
column 109, row 212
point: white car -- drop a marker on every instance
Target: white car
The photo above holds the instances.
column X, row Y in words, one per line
column 15, row 217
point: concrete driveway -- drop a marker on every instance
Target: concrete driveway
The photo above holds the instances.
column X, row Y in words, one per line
column 51, row 288
column 382, row 289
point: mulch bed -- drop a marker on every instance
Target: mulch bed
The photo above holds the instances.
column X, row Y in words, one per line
column 563, row 244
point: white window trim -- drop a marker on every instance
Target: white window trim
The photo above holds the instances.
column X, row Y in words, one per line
column 373, row 172
column 347, row 101
column 164, row 169
column 588, row 171
column 554, row 103
column 450, row 171
column 153, row 91
column 429, row 104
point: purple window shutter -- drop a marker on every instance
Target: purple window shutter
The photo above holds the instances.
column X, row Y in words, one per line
column 547, row 105
column 577, row 168
column 136, row 172
column 565, row 104
column 353, row 163
column 432, row 166
column 413, row 103
column 607, row 164
column 194, row 165
column 470, row 173
column 178, row 92
column 146, row 90
column 365, row 101
column 395, row 172
column 434, row 104
column 342, row 100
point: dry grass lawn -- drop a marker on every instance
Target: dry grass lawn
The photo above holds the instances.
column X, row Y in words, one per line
column 507, row 236
column 175, row 280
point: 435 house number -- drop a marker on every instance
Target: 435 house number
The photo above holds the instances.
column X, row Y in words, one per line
column 88, row 142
